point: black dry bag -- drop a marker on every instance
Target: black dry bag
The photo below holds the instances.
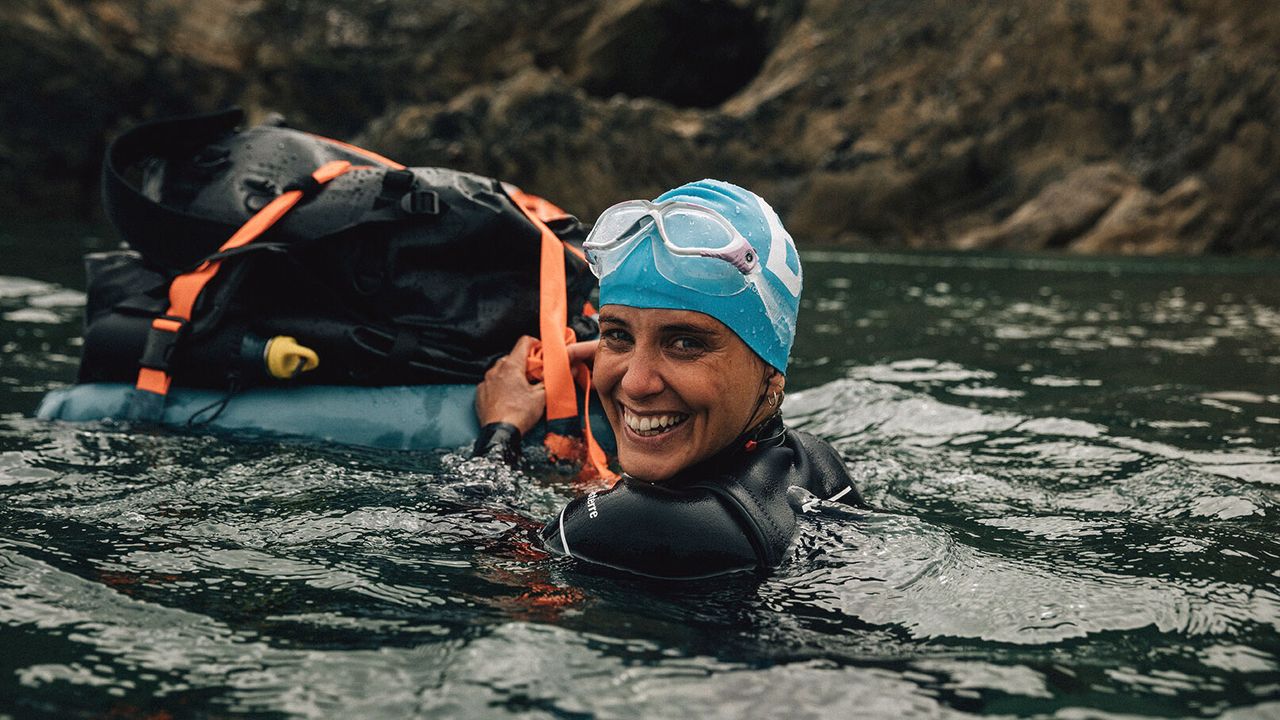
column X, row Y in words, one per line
column 392, row 275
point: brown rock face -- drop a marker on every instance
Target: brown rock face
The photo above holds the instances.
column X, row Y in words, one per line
column 1141, row 222
column 1061, row 212
column 74, row 73
column 1093, row 126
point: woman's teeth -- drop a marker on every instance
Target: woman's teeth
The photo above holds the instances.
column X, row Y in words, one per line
column 651, row 425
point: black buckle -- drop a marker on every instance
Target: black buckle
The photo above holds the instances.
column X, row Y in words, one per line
column 161, row 341
column 421, row 202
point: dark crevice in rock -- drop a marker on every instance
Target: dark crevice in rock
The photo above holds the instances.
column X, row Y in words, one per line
column 691, row 53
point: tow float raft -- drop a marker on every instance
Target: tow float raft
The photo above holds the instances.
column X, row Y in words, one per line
column 403, row 417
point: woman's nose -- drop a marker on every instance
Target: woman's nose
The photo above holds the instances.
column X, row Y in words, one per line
column 643, row 377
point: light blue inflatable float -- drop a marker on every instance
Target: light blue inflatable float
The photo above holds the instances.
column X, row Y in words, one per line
column 404, row 417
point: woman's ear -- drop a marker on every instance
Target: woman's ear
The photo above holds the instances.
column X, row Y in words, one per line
column 777, row 381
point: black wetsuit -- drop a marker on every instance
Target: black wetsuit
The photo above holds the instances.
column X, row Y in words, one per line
column 734, row 511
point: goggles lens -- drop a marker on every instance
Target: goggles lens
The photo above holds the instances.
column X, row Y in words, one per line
column 694, row 247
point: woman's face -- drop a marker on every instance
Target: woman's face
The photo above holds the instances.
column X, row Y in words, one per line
column 677, row 386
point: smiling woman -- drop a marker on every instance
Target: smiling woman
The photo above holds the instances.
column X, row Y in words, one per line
column 679, row 385
column 699, row 292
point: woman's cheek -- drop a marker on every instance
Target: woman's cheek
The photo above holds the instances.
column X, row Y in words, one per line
column 604, row 377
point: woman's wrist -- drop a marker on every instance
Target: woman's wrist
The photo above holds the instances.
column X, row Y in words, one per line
column 522, row 419
column 500, row 438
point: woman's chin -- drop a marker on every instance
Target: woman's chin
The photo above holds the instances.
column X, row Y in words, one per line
column 652, row 459
column 647, row 467
column 645, row 474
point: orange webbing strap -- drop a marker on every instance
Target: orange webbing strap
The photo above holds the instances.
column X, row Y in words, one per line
column 544, row 210
column 361, row 151
column 596, row 466
column 553, row 354
column 533, row 366
column 597, row 461
column 553, row 318
column 185, row 289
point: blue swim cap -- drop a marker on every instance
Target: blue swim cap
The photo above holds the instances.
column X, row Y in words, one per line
column 637, row 283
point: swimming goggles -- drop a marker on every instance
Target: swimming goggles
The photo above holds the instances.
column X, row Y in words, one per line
column 695, row 248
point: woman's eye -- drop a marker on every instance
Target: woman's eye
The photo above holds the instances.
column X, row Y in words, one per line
column 685, row 344
column 615, row 337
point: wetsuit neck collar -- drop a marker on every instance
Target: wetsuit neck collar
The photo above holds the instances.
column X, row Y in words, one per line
column 765, row 435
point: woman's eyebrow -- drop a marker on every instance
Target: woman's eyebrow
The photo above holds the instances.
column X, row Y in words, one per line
column 689, row 329
column 610, row 320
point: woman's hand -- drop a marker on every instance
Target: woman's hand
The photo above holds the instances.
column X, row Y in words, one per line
column 583, row 352
column 506, row 395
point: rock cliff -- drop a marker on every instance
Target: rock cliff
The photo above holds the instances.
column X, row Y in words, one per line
column 1130, row 126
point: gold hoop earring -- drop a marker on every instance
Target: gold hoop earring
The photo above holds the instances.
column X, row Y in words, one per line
column 774, row 399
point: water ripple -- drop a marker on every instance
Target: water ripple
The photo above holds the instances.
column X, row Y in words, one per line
column 1075, row 481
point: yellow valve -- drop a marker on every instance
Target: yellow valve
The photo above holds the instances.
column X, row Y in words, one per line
column 286, row 358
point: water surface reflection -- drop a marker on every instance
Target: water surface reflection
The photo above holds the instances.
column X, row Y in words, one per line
column 1074, row 463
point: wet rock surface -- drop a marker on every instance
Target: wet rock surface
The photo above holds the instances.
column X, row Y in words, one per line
column 1133, row 126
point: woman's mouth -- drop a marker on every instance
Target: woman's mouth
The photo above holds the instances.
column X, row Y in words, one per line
column 652, row 425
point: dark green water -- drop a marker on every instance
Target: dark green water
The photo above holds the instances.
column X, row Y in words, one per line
column 1078, row 462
